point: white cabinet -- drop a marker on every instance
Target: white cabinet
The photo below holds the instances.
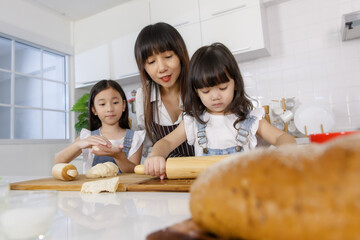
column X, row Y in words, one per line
column 123, row 58
column 192, row 37
column 214, row 8
column 110, row 36
column 174, row 12
column 92, row 65
column 104, row 43
column 183, row 15
column 240, row 27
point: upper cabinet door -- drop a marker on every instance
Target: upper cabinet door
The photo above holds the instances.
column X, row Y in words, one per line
column 243, row 31
column 123, row 56
column 92, row 65
column 174, row 12
column 214, row 8
column 192, row 37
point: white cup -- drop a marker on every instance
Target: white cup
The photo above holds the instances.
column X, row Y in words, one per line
column 277, row 111
column 291, row 127
column 287, row 116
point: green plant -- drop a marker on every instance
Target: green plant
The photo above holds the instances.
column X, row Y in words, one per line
column 81, row 107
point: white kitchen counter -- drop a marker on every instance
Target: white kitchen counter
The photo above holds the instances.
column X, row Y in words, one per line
column 122, row 215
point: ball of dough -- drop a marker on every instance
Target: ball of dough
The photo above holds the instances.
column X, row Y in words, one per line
column 107, row 169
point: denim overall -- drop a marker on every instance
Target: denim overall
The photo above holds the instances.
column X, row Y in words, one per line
column 241, row 138
column 127, row 145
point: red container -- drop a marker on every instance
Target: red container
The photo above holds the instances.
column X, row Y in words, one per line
column 323, row 137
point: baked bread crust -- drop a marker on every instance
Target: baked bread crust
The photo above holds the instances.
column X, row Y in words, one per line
column 292, row 192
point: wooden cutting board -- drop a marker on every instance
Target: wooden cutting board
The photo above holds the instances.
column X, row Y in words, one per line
column 128, row 182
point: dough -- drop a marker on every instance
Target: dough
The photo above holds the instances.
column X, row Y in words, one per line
column 292, row 192
column 108, row 169
column 103, row 185
column 64, row 171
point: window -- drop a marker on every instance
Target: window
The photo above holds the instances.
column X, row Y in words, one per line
column 34, row 92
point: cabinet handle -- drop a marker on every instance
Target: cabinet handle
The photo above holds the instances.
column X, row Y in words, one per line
column 228, row 10
column 128, row 75
column 90, row 82
column 180, row 24
column 240, row 50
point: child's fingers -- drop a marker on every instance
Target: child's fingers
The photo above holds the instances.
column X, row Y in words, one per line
column 100, row 140
column 148, row 167
column 162, row 167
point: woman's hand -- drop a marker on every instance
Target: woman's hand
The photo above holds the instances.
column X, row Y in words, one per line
column 155, row 166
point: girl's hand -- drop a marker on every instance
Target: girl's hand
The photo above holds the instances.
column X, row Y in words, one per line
column 111, row 151
column 94, row 140
column 155, row 166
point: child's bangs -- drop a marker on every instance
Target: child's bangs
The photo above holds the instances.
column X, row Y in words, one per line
column 210, row 76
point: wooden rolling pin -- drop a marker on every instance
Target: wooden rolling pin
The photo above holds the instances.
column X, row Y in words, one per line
column 185, row 167
column 64, row 171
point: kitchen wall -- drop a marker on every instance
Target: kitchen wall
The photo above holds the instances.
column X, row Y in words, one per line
column 309, row 61
column 34, row 24
column 23, row 20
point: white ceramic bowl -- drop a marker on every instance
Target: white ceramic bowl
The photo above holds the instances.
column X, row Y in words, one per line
column 27, row 214
column 4, row 188
column 312, row 117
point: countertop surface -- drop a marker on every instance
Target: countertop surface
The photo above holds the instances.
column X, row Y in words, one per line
column 122, row 215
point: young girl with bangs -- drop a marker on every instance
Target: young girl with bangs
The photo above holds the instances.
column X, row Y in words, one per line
column 220, row 118
column 163, row 62
column 109, row 131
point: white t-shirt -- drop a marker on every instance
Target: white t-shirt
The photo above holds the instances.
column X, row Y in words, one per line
column 164, row 117
column 88, row 157
column 220, row 131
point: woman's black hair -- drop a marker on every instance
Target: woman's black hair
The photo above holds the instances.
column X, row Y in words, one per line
column 212, row 65
column 94, row 121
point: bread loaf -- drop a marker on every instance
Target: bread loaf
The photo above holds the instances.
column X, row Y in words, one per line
column 107, row 169
column 293, row 192
column 103, row 185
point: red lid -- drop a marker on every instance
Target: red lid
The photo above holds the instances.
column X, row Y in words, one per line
column 323, row 137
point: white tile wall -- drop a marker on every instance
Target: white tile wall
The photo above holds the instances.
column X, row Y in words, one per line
column 309, row 61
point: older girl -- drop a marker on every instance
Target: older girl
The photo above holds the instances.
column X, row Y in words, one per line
column 109, row 131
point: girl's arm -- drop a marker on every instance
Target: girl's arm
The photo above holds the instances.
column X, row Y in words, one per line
column 155, row 163
column 71, row 152
column 128, row 165
column 274, row 135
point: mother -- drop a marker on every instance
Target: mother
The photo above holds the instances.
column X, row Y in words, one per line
column 163, row 62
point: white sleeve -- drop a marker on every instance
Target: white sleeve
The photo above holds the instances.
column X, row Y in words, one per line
column 88, row 157
column 137, row 141
column 258, row 113
column 140, row 117
column 189, row 125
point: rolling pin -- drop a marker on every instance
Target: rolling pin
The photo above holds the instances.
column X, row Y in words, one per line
column 64, row 171
column 185, row 167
